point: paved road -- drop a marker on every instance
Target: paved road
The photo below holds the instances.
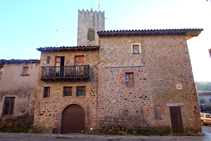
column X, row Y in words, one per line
column 75, row 137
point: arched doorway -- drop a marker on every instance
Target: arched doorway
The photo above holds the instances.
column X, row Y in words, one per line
column 73, row 119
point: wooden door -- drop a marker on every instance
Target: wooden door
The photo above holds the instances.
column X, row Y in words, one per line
column 176, row 120
column 58, row 64
column 79, row 62
column 73, row 120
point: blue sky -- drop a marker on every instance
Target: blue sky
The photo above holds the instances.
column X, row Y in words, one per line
column 29, row 24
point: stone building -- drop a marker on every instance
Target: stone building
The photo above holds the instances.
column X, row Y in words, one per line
column 127, row 79
column 112, row 81
column 18, row 83
column 68, row 79
column 145, row 80
column 89, row 22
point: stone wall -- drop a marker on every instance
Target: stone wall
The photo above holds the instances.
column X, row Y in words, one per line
column 22, row 87
column 48, row 112
column 162, row 64
column 114, row 96
column 89, row 20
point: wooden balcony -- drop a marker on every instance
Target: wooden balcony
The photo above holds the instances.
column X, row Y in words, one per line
column 65, row 72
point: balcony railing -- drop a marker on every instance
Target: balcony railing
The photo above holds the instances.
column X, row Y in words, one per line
column 65, row 72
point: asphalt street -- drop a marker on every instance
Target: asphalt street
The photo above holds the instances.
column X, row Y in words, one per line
column 79, row 137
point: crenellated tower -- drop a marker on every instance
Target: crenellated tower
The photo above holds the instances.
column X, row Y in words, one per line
column 89, row 22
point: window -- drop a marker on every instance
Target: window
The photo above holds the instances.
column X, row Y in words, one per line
column 48, row 59
column 157, row 113
column 25, row 70
column 79, row 60
column 1, row 68
column 208, row 116
column 1, row 71
column 129, row 78
column 136, row 48
column 81, row 91
column 91, row 35
column 0, row 75
column 8, row 106
column 67, row 91
column 46, row 92
column 126, row 112
column 202, row 115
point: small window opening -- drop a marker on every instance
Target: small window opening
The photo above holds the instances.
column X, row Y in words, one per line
column 129, row 78
column 25, row 70
column 1, row 71
column 135, row 48
column 46, row 92
column 91, row 35
column 67, row 91
column 126, row 112
column 48, row 59
column 8, row 105
column 81, row 91
column 1, row 68
column 157, row 113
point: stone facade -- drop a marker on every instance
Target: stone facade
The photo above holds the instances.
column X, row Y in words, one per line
column 135, row 80
column 48, row 112
column 89, row 20
column 22, row 87
column 162, row 64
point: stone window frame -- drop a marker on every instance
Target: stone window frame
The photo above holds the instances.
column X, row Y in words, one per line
column 64, row 91
column 10, row 104
column 90, row 29
column 45, row 91
column 136, row 44
column 25, row 71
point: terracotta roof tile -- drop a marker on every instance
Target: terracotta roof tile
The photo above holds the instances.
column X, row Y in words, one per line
column 68, row 48
column 188, row 32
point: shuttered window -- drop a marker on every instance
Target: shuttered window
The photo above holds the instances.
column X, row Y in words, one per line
column 79, row 60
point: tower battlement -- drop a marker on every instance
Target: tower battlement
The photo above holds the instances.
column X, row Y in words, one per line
column 89, row 22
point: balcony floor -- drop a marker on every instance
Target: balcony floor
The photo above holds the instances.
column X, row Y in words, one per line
column 57, row 78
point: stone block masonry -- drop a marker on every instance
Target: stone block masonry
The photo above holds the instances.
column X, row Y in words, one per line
column 162, row 64
column 48, row 112
column 89, row 20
